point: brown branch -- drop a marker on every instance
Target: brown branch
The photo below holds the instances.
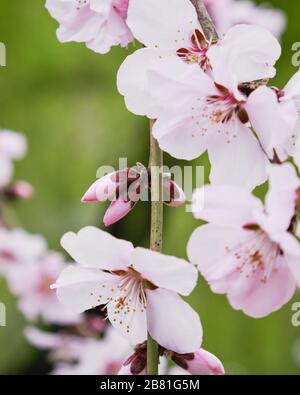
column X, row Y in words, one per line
column 206, row 23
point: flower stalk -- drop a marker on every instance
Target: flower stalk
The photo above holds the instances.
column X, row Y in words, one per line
column 156, row 232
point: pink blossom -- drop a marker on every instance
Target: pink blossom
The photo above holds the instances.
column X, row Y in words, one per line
column 228, row 13
column 100, row 24
column 249, row 52
column 124, row 188
column 12, row 147
column 247, row 251
column 137, row 287
column 18, row 247
column 199, row 115
column 31, row 281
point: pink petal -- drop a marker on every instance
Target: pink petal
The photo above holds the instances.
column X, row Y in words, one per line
column 92, row 247
column 282, row 195
column 165, row 271
column 225, row 205
column 80, row 289
column 147, row 22
column 172, row 322
column 238, row 161
column 273, row 121
column 205, row 363
column 117, row 210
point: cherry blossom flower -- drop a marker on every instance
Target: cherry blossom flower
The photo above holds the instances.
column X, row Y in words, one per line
column 137, row 287
column 200, row 115
column 31, row 282
column 12, row 147
column 124, row 188
column 228, row 13
column 249, row 52
column 18, row 247
column 247, row 251
column 100, row 24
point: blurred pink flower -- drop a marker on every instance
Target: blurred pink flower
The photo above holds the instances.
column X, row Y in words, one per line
column 18, row 247
column 248, row 52
column 228, row 13
column 19, row 190
column 124, row 188
column 137, row 287
column 13, row 146
column 74, row 355
column 248, row 251
column 100, row 24
column 31, row 281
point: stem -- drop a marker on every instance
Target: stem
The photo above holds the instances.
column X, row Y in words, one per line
column 206, row 23
column 155, row 165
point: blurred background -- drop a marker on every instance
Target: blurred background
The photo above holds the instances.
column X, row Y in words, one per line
column 64, row 98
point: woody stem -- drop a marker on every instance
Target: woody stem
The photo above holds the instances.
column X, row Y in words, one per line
column 206, row 23
column 156, row 232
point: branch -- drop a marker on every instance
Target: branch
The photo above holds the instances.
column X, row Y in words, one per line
column 156, row 233
column 206, row 23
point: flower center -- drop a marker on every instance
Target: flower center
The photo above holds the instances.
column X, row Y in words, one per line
column 128, row 297
column 196, row 53
column 258, row 255
column 44, row 285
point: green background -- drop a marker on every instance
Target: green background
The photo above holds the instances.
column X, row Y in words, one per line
column 64, row 98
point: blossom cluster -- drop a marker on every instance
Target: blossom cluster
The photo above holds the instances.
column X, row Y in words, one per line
column 205, row 95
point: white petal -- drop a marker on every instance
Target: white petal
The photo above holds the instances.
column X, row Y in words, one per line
column 165, row 271
column 225, row 205
column 81, row 289
column 172, row 322
column 240, row 161
column 281, row 197
column 208, row 245
column 93, row 247
column 176, row 85
column 132, row 82
column 296, row 155
column 249, row 51
column 294, row 265
column 162, row 24
column 273, row 121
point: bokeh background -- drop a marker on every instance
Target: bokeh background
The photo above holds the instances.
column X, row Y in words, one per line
column 64, row 98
